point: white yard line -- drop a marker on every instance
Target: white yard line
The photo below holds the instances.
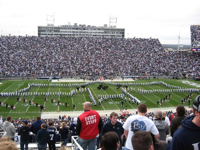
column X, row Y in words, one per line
column 97, row 97
column 84, row 97
column 45, row 101
column 72, row 98
column 150, row 100
column 9, row 87
column 159, row 97
column 16, row 102
column 59, row 99
column 112, row 100
column 170, row 97
column 32, row 98
column 117, row 93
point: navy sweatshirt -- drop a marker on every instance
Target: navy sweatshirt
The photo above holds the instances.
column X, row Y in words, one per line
column 187, row 137
column 42, row 137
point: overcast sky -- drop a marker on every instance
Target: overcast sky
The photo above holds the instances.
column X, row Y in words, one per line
column 140, row 18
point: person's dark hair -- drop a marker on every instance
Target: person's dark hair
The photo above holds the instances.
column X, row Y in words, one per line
column 109, row 141
column 38, row 118
column 51, row 123
column 180, row 110
column 9, row 118
column 113, row 114
column 142, row 140
column 142, row 108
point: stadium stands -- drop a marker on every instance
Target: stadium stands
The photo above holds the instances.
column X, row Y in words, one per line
column 43, row 56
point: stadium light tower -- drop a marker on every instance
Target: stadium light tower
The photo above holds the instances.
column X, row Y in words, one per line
column 50, row 20
column 178, row 40
column 113, row 21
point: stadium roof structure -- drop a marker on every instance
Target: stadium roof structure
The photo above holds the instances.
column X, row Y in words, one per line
column 81, row 30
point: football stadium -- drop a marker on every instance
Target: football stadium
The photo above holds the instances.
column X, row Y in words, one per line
column 90, row 87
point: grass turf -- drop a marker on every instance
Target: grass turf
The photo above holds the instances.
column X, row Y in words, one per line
column 25, row 111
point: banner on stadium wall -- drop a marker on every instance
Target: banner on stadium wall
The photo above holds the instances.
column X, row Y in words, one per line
column 195, row 49
column 50, row 77
column 130, row 77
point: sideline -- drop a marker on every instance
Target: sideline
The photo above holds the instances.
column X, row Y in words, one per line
column 81, row 80
column 101, row 112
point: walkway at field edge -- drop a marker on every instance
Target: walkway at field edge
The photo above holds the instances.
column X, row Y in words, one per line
column 101, row 112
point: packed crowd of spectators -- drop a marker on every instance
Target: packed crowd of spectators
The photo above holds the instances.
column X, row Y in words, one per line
column 45, row 56
column 71, row 123
column 195, row 36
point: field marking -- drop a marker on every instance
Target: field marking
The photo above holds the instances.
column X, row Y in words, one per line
column 33, row 98
column 159, row 97
column 72, row 98
column 45, row 101
column 97, row 97
column 151, row 100
column 190, row 83
column 9, row 86
column 170, row 97
column 117, row 93
column 5, row 99
column 112, row 100
column 16, row 102
column 59, row 98
column 173, row 93
column 8, row 96
column 84, row 97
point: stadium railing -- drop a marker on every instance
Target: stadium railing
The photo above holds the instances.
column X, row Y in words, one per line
column 2, row 134
column 75, row 144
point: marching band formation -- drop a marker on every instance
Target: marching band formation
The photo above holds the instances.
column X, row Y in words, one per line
column 124, row 97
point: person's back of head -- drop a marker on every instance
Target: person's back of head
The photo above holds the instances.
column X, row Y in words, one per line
column 142, row 108
column 63, row 125
column 180, row 110
column 9, row 118
column 38, row 118
column 110, row 141
column 43, row 126
column 87, row 106
column 142, row 140
column 158, row 114
column 51, row 123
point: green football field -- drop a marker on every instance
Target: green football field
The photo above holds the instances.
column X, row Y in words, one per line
column 24, row 110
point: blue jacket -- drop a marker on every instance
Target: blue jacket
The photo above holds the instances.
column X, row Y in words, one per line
column 42, row 137
column 187, row 137
column 107, row 127
column 73, row 129
column 36, row 126
column 64, row 133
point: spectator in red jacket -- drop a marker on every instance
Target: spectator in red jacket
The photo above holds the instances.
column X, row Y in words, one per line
column 89, row 125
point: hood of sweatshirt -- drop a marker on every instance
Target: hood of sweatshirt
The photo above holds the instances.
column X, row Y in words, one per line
column 7, row 123
column 187, row 123
column 160, row 124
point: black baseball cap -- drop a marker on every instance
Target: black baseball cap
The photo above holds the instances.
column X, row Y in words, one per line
column 25, row 121
column 196, row 103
